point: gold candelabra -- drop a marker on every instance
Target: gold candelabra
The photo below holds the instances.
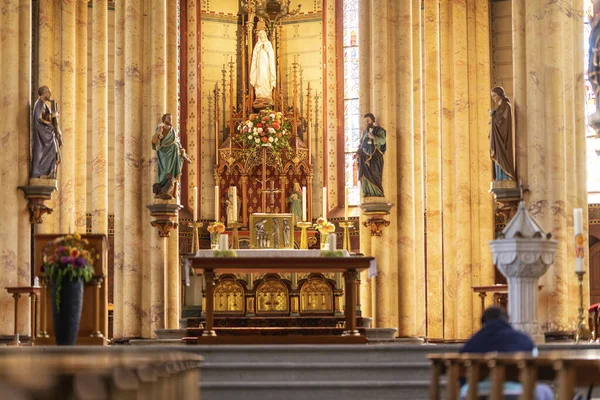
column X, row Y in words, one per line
column 347, row 225
column 196, row 238
column 304, row 225
column 582, row 331
column 235, row 238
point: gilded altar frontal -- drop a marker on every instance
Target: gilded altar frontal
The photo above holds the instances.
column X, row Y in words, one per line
column 211, row 149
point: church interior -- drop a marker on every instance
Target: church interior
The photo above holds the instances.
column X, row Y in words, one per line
column 298, row 172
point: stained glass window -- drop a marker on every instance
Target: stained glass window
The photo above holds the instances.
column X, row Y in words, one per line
column 352, row 115
column 593, row 142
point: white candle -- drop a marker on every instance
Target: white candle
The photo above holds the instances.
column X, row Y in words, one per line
column 235, row 205
column 325, row 202
column 578, row 228
column 346, row 204
column 303, row 203
column 195, row 203
column 332, row 242
column 223, row 242
column 216, row 203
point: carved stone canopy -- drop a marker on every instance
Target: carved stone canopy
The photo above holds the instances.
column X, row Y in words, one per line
column 523, row 226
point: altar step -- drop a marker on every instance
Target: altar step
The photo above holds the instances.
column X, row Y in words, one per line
column 325, row 372
column 275, row 331
column 274, row 322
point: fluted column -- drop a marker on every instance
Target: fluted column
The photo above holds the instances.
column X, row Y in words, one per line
column 119, row 193
column 156, row 297
column 449, row 229
column 67, row 99
column 45, row 75
column 173, row 266
column 550, row 132
column 432, row 168
column 15, row 80
column 81, row 93
column 131, row 235
column 99, row 117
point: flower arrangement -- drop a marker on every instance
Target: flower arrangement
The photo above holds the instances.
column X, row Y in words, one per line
column 216, row 227
column 266, row 129
column 68, row 257
column 324, row 226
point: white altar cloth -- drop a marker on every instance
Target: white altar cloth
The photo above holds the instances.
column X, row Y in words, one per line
column 372, row 271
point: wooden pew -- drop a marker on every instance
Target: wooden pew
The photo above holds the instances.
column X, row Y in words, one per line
column 567, row 369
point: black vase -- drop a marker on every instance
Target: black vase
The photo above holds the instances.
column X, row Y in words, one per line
column 66, row 318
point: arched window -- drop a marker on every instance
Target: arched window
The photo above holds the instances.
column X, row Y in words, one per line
column 352, row 117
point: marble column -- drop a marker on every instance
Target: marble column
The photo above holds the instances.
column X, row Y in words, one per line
column 444, row 94
column 81, row 93
column 131, row 313
column 99, row 117
column 173, row 264
column 45, row 75
column 15, row 80
column 550, row 139
column 154, row 300
column 119, row 149
column 65, row 95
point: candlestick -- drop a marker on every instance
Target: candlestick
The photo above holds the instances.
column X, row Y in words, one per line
column 346, row 203
column 325, row 202
column 346, row 225
column 195, row 203
column 216, row 203
column 235, row 204
column 579, row 239
column 303, row 203
column 235, row 238
column 304, row 234
column 582, row 331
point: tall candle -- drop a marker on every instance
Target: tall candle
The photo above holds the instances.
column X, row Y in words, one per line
column 325, row 202
column 579, row 239
column 195, row 203
column 303, row 203
column 346, row 204
column 235, row 204
column 216, row 203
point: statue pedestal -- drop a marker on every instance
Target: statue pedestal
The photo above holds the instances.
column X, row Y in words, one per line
column 37, row 192
column 166, row 215
column 523, row 253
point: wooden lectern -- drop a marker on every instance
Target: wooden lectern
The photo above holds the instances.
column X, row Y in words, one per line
column 93, row 328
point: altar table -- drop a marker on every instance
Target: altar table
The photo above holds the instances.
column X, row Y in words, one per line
column 348, row 266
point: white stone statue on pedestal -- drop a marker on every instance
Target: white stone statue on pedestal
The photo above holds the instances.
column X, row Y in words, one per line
column 263, row 75
column 523, row 253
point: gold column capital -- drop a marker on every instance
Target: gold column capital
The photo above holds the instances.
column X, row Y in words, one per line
column 376, row 225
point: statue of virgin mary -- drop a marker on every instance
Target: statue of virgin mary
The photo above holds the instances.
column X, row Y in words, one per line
column 262, row 71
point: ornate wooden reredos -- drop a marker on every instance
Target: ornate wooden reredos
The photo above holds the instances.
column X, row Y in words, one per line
column 252, row 171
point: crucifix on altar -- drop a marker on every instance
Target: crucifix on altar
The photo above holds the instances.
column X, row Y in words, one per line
column 264, row 191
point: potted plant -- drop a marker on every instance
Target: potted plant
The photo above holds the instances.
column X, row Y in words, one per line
column 325, row 228
column 68, row 264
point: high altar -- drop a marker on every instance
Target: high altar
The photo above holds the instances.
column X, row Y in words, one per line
column 265, row 178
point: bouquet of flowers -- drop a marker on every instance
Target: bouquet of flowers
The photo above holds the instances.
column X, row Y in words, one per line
column 67, row 257
column 324, row 226
column 216, row 227
column 266, row 129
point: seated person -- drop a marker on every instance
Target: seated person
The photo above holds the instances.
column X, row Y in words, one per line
column 496, row 334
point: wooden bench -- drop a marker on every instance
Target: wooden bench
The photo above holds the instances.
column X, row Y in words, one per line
column 568, row 370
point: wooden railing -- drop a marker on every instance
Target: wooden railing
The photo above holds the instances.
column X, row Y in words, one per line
column 98, row 373
column 567, row 369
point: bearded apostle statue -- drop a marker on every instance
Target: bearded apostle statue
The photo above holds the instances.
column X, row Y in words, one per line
column 370, row 158
column 46, row 137
column 263, row 74
column 170, row 155
column 501, row 140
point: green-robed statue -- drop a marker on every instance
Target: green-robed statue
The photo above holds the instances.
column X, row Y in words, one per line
column 370, row 158
column 170, row 154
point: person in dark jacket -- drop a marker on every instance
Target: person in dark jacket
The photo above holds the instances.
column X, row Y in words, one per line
column 497, row 334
